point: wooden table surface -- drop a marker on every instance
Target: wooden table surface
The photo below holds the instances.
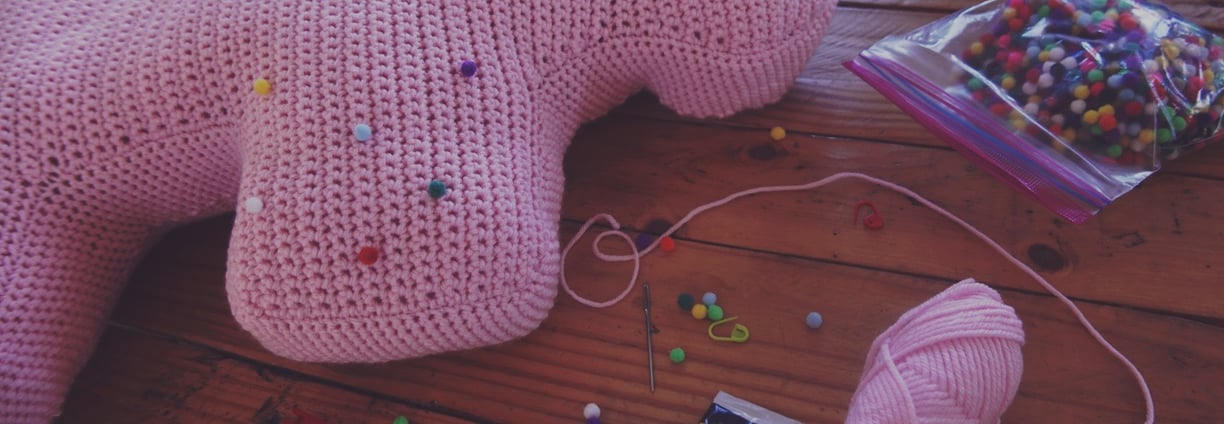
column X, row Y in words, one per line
column 1145, row 271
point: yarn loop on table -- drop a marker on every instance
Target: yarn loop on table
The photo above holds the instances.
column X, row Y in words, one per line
column 974, row 354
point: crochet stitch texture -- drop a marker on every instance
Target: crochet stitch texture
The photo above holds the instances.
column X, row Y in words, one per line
column 119, row 120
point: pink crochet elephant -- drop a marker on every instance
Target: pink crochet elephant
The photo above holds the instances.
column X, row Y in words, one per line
column 395, row 165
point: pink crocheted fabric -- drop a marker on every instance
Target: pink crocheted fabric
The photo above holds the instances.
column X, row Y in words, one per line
column 120, row 119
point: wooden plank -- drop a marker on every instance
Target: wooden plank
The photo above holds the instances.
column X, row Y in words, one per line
column 644, row 171
column 137, row 378
column 827, row 99
column 582, row 354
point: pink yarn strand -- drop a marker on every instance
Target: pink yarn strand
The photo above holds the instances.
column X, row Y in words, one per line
column 636, row 255
column 615, row 231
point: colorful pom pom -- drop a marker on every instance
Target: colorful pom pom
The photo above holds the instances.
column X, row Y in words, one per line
column 667, row 244
column 362, row 132
column 814, row 320
column 590, row 411
column 676, row 355
column 685, row 301
column 437, row 189
column 253, row 204
column 642, row 241
column 261, row 87
column 467, row 68
column 368, row 255
column 698, row 311
column 777, row 133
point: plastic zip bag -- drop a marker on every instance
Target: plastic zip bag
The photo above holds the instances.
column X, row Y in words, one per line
column 1073, row 102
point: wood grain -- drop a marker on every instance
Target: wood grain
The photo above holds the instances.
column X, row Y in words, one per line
column 147, row 379
column 581, row 354
column 643, row 170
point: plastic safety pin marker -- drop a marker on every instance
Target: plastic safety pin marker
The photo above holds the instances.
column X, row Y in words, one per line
column 739, row 333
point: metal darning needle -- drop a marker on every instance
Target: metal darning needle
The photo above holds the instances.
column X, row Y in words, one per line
column 649, row 335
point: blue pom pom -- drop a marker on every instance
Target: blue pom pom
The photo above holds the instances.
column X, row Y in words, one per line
column 814, row 320
column 362, row 132
column 709, row 298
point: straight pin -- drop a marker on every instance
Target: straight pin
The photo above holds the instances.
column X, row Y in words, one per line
column 649, row 335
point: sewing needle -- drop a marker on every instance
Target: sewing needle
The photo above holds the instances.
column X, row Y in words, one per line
column 649, row 335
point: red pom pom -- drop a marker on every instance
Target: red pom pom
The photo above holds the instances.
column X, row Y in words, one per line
column 1097, row 88
column 1004, row 41
column 1133, row 108
column 667, row 244
column 368, row 255
column 1193, row 85
column 1015, row 24
column 1000, row 109
column 1108, row 122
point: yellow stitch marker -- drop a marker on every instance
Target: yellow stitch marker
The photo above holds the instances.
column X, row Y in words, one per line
column 739, row 333
column 262, row 87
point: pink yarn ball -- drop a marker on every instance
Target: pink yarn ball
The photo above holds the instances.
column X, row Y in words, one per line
column 954, row 359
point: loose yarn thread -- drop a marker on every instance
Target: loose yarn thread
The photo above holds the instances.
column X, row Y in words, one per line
column 637, row 254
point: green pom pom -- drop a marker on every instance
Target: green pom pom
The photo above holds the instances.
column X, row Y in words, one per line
column 685, row 301
column 676, row 355
column 715, row 313
column 1164, row 135
column 976, row 84
column 437, row 189
column 400, row 420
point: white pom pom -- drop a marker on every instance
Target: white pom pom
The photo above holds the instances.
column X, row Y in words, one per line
column 254, row 204
column 591, row 411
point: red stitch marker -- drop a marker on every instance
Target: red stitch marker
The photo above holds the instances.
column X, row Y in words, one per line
column 873, row 220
